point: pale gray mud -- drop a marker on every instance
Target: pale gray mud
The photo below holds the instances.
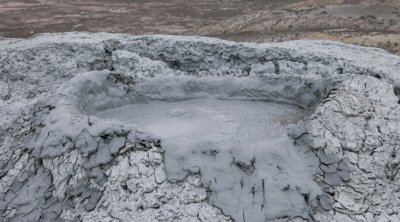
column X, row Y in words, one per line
column 239, row 147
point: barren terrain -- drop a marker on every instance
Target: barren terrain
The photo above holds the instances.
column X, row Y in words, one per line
column 365, row 23
column 21, row 19
column 374, row 23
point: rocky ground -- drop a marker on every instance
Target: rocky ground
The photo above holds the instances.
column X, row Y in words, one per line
column 21, row 19
column 366, row 23
column 361, row 22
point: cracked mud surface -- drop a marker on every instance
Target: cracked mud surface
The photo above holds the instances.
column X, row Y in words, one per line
column 61, row 162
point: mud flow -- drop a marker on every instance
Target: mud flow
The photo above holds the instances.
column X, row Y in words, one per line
column 240, row 148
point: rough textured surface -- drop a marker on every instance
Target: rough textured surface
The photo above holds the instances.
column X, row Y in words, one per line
column 59, row 162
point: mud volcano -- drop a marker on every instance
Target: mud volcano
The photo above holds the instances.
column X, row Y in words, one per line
column 105, row 127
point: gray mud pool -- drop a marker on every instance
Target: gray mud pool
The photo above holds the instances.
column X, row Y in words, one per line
column 249, row 164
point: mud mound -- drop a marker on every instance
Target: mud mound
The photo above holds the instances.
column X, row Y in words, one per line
column 106, row 127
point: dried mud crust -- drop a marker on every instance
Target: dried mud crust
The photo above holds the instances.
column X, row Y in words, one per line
column 59, row 162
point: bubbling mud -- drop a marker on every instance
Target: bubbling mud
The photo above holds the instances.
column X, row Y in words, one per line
column 249, row 164
column 211, row 120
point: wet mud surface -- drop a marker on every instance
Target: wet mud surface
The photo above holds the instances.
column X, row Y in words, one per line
column 209, row 119
column 236, row 145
